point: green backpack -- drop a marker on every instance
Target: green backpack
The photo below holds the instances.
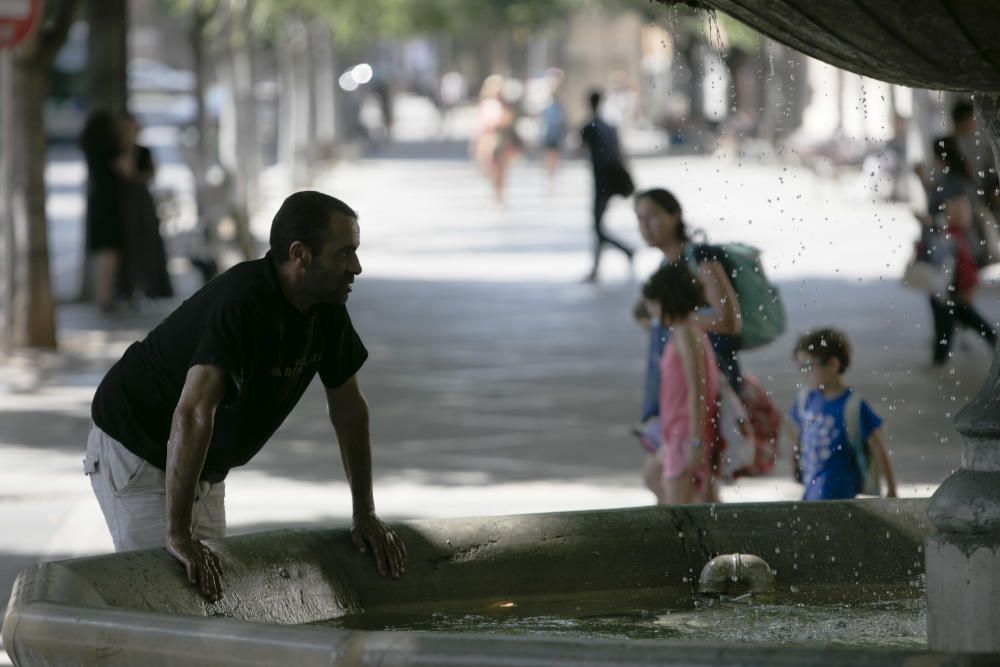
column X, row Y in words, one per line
column 761, row 309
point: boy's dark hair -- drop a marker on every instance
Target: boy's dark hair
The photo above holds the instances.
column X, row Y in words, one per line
column 304, row 217
column 676, row 289
column 824, row 345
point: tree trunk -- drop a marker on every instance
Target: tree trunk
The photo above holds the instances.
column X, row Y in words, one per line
column 30, row 309
column 7, row 239
column 775, row 92
column 499, row 46
column 689, row 78
column 297, row 102
column 107, row 54
column 797, row 91
column 482, row 63
column 346, row 125
column 200, row 155
column 286, row 107
column 298, row 37
column 34, row 310
column 240, row 151
column 324, row 91
column 745, row 67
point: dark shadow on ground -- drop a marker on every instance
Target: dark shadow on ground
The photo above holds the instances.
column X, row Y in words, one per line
column 514, row 382
column 263, row 526
column 46, row 430
column 435, row 149
column 458, row 149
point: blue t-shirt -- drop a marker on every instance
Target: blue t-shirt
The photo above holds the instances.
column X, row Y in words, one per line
column 553, row 125
column 830, row 468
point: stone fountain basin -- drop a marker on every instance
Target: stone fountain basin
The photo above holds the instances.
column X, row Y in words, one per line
column 138, row 608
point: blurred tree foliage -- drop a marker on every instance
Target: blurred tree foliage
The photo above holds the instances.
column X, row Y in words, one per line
column 354, row 22
column 27, row 308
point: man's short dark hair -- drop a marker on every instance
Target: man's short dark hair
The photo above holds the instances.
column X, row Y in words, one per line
column 962, row 111
column 824, row 345
column 595, row 99
column 676, row 289
column 304, row 217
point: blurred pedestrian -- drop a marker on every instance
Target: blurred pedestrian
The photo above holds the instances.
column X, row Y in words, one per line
column 496, row 142
column 978, row 155
column 662, row 225
column 610, row 178
column 952, row 198
column 144, row 258
column 101, row 142
column 553, row 129
column 955, row 307
column 977, row 175
column 976, row 151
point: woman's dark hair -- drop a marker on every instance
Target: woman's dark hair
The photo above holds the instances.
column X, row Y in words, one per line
column 676, row 289
column 668, row 202
column 100, row 139
column 305, row 217
column 949, row 152
column 824, row 345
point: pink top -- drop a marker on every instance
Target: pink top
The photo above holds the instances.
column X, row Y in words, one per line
column 674, row 418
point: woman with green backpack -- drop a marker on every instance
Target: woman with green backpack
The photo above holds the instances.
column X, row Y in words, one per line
column 742, row 311
column 662, row 226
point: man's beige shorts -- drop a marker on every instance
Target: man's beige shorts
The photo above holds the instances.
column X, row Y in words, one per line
column 132, row 496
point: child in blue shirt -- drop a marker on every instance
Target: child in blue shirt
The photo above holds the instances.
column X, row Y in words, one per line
column 828, row 463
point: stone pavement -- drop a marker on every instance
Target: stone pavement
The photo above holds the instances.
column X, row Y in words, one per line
column 498, row 382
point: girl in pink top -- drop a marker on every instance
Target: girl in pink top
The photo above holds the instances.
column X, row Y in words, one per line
column 680, row 471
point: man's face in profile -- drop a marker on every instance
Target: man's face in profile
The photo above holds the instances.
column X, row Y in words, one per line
column 330, row 275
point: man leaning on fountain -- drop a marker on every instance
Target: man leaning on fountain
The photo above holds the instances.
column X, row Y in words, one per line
column 203, row 392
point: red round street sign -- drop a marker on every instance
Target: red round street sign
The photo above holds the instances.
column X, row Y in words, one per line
column 16, row 19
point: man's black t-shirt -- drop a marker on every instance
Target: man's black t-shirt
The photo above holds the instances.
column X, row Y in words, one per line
column 241, row 322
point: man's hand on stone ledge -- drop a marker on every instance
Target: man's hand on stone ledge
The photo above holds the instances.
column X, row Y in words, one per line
column 204, row 569
column 387, row 548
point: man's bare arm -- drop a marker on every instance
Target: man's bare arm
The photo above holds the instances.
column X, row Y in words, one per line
column 792, row 432
column 348, row 411
column 721, row 296
column 190, row 435
column 876, row 446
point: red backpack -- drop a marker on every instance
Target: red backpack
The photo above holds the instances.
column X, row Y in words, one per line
column 749, row 432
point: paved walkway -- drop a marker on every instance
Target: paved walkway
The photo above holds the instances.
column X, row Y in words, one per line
column 498, row 382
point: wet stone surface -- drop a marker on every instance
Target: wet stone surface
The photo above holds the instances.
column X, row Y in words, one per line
column 893, row 623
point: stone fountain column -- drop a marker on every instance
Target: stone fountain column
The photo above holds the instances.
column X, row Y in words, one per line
column 963, row 554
